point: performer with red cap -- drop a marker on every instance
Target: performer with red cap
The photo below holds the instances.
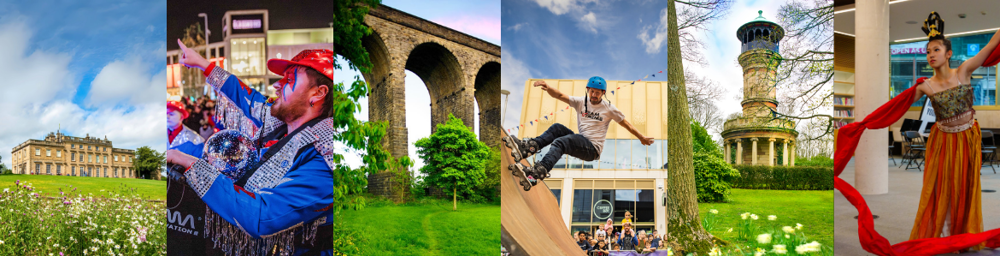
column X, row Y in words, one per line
column 181, row 137
column 283, row 203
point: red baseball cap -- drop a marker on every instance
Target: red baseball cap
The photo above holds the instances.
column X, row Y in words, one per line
column 319, row 59
column 177, row 106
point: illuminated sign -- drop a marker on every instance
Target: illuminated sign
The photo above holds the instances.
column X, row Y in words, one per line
column 246, row 24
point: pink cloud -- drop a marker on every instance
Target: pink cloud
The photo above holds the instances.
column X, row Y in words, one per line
column 484, row 27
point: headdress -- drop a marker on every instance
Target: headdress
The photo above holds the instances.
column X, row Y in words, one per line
column 933, row 26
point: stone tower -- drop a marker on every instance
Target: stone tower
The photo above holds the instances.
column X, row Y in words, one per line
column 751, row 138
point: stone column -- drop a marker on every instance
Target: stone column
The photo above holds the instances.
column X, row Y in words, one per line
column 739, row 151
column 725, row 151
column 793, row 153
column 770, row 155
column 871, row 53
column 784, row 153
column 753, row 151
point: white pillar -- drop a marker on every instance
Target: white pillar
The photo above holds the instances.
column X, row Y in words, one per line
column 793, row 153
column 784, row 153
column 753, row 152
column 770, row 155
column 871, row 53
column 739, row 151
column 566, row 205
column 659, row 210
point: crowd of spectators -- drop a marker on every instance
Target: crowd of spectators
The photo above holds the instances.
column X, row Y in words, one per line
column 606, row 239
column 202, row 116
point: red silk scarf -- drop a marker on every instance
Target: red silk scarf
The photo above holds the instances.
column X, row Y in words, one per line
column 871, row 241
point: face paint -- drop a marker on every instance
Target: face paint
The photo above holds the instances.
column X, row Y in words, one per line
column 289, row 79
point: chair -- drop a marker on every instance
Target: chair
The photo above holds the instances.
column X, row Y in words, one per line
column 891, row 146
column 989, row 149
column 915, row 149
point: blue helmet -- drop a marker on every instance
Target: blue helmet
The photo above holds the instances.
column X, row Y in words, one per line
column 597, row 83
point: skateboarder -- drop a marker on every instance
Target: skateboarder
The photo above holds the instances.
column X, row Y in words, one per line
column 595, row 115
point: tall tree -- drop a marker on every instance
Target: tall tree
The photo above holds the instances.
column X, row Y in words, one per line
column 361, row 136
column 683, row 224
column 702, row 92
column 454, row 159
column 148, row 162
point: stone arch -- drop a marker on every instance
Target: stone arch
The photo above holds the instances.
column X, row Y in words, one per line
column 442, row 73
column 488, row 97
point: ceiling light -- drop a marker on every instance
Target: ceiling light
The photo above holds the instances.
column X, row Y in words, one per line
column 947, row 35
column 842, row 33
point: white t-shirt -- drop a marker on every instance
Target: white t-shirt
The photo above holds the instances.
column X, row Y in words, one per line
column 594, row 119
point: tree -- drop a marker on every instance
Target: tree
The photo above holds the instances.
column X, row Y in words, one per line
column 454, row 159
column 148, row 162
column 682, row 205
column 3, row 168
column 348, row 21
column 701, row 94
column 193, row 37
column 358, row 135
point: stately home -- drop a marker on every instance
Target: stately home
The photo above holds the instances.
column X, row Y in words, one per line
column 59, row 154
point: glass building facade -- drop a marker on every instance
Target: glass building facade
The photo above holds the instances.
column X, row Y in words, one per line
column 628, row 176
column 909, row 62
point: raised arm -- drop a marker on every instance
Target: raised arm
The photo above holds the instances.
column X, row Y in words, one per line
column 975, row 62
column 631, row 129
column 552, row 91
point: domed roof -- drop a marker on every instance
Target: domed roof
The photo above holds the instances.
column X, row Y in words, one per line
column 760, row 21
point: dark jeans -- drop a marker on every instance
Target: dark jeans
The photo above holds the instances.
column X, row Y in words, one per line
column 564, row 141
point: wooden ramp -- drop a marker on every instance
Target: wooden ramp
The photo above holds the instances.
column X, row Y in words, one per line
column 530, row 221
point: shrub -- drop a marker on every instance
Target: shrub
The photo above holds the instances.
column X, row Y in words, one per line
column 784, row 177
column 819, row 160
column 702, row 142
column 713, row 177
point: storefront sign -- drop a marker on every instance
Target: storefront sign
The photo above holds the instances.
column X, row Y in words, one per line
column 912, row 50
column 603, row 209
column 246, row 24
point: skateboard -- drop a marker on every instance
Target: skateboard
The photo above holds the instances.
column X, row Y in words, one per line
column 517, row 168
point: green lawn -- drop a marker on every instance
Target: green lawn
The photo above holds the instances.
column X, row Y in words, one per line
column 50, row 185
column 429, row 228
column 813, row 209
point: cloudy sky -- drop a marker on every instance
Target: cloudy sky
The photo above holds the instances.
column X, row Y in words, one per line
column 93, row 67
column 480, row 19
column 722, row 50
column 578, row 39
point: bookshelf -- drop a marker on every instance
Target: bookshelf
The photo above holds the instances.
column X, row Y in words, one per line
column 843, row 98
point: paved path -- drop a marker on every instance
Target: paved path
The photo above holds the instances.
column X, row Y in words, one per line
column 898, row 208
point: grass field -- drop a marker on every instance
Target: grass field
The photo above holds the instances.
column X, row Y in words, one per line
column 49, row 185
column 813, row 209
column 426, row 228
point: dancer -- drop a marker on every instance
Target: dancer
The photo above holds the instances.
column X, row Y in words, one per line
column 951, row 178
column 181, row 137
column 950, row 201
column 595, row 115
column 285, row 201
